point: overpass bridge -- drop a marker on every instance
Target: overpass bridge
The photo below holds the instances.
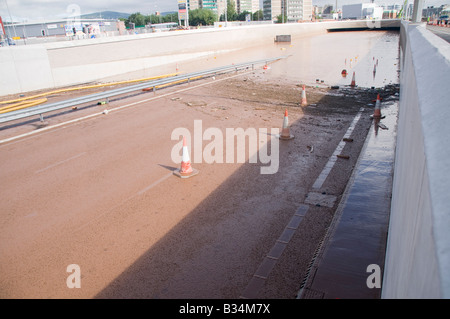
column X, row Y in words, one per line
column 415, row 254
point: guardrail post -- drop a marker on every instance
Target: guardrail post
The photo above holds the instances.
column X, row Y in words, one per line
column 40, row 110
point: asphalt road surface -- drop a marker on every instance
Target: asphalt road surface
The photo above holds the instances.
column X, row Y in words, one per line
column 442, row 32
column 100, row 193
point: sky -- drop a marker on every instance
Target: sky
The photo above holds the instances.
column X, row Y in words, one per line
column 29, row 10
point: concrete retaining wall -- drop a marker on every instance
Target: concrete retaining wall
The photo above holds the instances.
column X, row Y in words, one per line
column 418, row 250
column 58, row 64
column 20, row 73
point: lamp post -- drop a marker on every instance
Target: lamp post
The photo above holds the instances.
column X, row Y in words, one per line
column 226, row 13
column 10, row 18
column 417, row 11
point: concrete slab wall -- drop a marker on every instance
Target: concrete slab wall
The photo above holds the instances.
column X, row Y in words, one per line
column 418, row 249
column 20, row 73
column 74, row 62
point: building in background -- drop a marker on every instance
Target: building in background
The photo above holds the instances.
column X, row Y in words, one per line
column 193, row 4
column 271, row 9
column 435, row 12
column 307, row 10
column 210, row 5
column 86, row 28
column 289, row 10
column 217, row 6
column 362, row 11
column 220, row 6
column 247, row 5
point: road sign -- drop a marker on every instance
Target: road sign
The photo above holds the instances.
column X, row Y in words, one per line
column 183, row 11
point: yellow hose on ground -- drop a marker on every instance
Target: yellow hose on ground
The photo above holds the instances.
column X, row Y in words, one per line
column 10, row 108
column 172, row 83
column 21, row 105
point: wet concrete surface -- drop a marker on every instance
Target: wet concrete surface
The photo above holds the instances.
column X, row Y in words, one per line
column 100, row 192
column 358, row 235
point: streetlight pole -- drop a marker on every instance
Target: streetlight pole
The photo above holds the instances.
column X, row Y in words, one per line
column 417, row 11
column 226, row 13
column 10, row 18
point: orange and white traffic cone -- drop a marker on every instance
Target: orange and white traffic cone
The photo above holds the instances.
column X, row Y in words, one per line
column 377, row 111
column 285, row 131
column 304, row 101
column 186, row 169
column 353, row 84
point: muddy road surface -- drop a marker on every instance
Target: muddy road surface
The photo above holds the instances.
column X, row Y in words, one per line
column 100, row 193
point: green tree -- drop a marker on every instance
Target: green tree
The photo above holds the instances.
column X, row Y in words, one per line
column 172, row 17
column 258, row 15
column 153, row 19
column 202, row 17
column 231, row 14
column 137, row 18
column 281, row 19
column 231, row 10
column 241, row 16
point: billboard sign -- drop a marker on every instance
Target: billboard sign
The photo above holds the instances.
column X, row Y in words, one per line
column 182, row 9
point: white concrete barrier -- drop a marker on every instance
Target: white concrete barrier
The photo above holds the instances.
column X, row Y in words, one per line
column 418, row 249
column 24, row 69
column 59, row 64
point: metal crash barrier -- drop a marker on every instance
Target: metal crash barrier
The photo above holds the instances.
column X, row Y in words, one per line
column 56, row 106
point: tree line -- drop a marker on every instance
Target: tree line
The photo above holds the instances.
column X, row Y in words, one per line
column 196, row 17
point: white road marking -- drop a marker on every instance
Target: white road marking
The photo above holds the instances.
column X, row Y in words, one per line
column 113, row 110
column 327, row 169
column 60, row 163
column 155, row 183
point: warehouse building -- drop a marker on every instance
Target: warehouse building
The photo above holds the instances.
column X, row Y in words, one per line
column 85, row 28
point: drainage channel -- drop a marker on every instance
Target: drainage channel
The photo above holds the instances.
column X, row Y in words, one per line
column 262, row 273
column 356, row 239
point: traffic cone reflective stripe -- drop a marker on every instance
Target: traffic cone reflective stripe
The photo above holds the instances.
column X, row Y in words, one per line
column 285, row 131
column 186, row 161
column 304, row 101
column 186, row 169
column 286, row 120
column 377, row 111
